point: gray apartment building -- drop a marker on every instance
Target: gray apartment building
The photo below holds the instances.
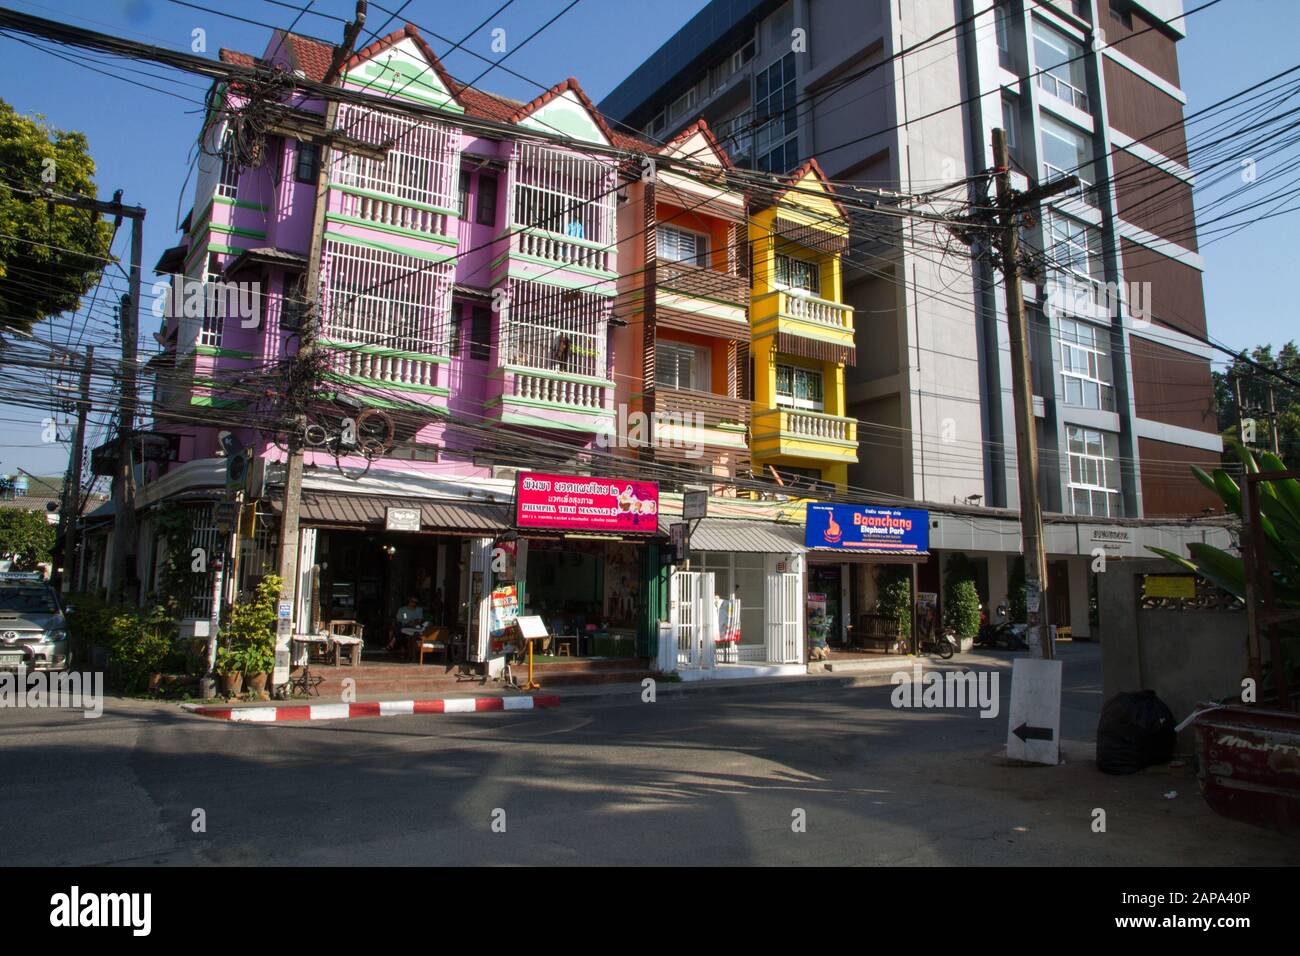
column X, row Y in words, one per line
column 1123, row 394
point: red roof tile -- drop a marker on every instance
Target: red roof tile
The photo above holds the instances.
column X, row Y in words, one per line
column 310, row 55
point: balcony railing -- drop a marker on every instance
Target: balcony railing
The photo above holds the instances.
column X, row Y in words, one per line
column 1063, row 90
column 818, row 311
column 557, row 391
column 565, row 250
column 818, row 427
column 712, row 410
column 693, row 280
column 396, row 370
column 394, row 214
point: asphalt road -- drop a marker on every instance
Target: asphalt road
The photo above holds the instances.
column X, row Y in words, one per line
column 699, row 778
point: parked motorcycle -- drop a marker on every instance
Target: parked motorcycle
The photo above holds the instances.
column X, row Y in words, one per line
column 1003, row 634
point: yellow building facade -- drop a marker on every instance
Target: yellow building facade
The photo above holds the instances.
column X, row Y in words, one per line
column 802, row 335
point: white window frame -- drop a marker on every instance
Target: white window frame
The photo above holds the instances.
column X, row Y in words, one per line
column 814, row 265
column 1060, row 230
column 1085, row 360
column 700, row 241
column 1059, row 132
column 791, row 400
column 701, row 360
column 1094, row 472
column 1060, row 87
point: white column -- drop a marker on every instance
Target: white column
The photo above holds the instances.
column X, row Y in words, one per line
column 997, row 583
column 1080, row 626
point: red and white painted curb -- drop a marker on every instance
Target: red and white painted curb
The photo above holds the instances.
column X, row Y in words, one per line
column 376, row 708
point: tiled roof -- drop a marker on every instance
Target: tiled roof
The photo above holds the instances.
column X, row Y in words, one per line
column 237, row 57
column 311, row 56
column 702, row 127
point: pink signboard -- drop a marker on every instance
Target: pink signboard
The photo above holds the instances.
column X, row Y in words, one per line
column 577, row 503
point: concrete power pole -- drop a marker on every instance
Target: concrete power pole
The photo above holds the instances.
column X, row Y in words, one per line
column 288, row 565
column 72, row 483
column 1011, row 206
column 124, row 529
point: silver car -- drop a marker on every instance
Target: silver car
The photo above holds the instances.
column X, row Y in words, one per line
column 33, row 630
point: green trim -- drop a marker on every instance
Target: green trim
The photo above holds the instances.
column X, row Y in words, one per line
column 394, row 386
column 548, row 373
column 240, row 203
column 447, row 102
column 235, row 231
column 222, row 352
column 731, row 307
column 557, row 406
column 393, row 230
column 207, row 401
column 509, row 418
column 388, row 247
column 564, row 266
column 198, row 222
column 550, row 279
column 387, row 197
column 548, row 234
column 728, row 427
column 378, row 350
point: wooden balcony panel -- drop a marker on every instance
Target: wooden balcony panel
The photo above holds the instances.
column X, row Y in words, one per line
column 687, row 279
column 713, row 409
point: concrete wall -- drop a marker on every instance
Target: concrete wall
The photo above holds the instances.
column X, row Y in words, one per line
column 1184, row 656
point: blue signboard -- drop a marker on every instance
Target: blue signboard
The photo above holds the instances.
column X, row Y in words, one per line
column 864, row 528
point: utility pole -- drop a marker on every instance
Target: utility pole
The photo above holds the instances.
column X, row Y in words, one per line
column 72, row 483
column 124, row 528
column 288, row 565
column 1011, row 207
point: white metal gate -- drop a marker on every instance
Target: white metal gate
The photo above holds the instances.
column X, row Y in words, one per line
column 784, row 618
column 690, row 612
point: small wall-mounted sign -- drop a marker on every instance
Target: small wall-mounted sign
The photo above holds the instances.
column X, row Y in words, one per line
column 402, row 519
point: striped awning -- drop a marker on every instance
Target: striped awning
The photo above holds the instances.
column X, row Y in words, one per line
column 822, row 240
column 331, row 509
column 818, row 349
column 739, row 535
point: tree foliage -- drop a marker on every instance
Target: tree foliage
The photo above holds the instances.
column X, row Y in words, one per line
column 1254, row 394
column 50, row 255
column 26, row 537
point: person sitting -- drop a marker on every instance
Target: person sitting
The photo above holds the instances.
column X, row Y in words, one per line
column 408, row 624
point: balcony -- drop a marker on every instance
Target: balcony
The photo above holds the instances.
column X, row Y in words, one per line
column 794, row 433
column 564, row 250
column 542, row 398
column 400, row 370
column 698, row 282
column 806, row 325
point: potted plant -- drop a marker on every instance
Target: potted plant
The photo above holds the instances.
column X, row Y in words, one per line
column 248, row 636
column 230, row 668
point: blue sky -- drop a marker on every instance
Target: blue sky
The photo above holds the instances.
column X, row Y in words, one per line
column 141, row 139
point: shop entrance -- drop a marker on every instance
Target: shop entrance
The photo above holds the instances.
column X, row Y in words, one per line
column 827, row 580
column 589, row 594
column 368, row 577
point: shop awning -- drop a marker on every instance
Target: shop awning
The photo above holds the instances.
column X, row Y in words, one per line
column 866, row 556
column 754, row 537
column 465, row 517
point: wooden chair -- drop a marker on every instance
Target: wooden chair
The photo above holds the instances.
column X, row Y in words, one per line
column 349, row 635
column 436, row 640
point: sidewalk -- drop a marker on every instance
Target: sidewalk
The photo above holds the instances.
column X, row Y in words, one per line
column 476, row 698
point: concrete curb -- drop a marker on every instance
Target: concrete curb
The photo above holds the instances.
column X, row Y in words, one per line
column 374, row 708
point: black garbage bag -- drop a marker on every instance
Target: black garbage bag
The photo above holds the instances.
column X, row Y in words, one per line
column 1136, row 730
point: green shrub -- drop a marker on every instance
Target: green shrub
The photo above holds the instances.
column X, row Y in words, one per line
column 248, row 634
column 895, row 601
column 139, row 645
column 88, row 624
column 961, row 609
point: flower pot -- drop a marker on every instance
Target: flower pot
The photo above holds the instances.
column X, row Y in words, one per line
column 966, row 644
column 231, row 684
column 256, row 684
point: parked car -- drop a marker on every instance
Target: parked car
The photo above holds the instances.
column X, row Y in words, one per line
column 33, row 629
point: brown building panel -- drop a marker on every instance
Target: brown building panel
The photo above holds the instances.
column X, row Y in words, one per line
column 1144, row 112
column 1172, row 387
column 1177, row 299
column 1155, row 50
column 1153, row 200
column 1168, row 485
